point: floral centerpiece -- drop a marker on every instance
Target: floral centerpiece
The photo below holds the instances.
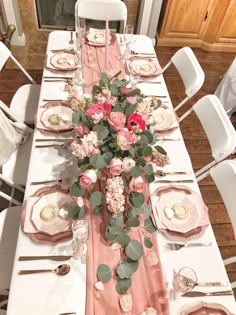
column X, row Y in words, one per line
column 113, row 144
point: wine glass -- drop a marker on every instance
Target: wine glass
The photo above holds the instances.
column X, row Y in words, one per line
column 184, row 280
column 80, row 31
column 80, row 237
column 134, row 75
column 128, row 35
column 79, row 63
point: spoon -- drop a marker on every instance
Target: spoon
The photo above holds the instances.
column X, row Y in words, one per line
column 162, row 173
column 61, row 270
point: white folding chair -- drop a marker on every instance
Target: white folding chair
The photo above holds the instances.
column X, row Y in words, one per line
column 9, row 227
column 224, row 176
column 15, row 147
column 25, row 101
column 189, row 70
column 114, row 10
column 218, row 128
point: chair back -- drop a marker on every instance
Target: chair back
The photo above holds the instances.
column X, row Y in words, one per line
column 12, row 133
column 5, row 53
column 114, row 10
column 224, row 176
column 189, row 70
column 9, row 228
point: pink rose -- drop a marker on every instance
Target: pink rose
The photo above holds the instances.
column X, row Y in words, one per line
column 81, row 130
column 128, row 163
column 132, row 99
column 117, row 120
column 124, row 90
column 99, row 111
column 87, row 178
column 136, row 184
column 125, row 139
column 115, row 166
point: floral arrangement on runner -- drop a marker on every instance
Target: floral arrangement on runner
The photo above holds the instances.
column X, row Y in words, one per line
column 112, row 143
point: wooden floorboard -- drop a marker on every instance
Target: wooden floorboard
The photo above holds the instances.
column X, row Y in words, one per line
column 214, row 66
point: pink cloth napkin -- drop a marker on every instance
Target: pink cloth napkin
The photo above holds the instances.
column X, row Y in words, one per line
column 94, row 63
column 148, row 288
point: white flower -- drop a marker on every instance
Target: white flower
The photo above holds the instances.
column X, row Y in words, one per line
column 128, row 163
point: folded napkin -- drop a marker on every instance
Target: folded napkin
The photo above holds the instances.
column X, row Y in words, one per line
column 97, row 37
column 147, row 67
column 62, row 61
column 164, row 119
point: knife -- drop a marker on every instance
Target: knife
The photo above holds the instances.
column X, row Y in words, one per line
column 167, row 181
column 55, row 258
column 199, row 293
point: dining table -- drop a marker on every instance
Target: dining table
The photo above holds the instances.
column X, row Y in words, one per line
column 50, row 294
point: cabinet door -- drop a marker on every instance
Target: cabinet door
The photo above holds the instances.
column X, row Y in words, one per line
column 184, row 18
column 227, row 31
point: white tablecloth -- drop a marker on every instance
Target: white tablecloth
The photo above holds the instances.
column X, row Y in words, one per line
column 48, row 294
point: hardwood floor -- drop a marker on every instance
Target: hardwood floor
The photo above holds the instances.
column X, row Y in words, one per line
column 214, row 66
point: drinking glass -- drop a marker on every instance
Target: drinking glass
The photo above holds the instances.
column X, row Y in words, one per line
column 80, row 236
column 79, row 31
column 134, row 75
column 128, row 35
column 79, row 63
column 185, row 280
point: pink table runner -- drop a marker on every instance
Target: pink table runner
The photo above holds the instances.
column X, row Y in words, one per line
column 94, row 63
column 148, row 288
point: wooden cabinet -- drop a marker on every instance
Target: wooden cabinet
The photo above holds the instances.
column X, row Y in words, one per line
column 210, row 24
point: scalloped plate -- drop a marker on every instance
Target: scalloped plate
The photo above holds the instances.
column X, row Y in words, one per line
column 204, row 308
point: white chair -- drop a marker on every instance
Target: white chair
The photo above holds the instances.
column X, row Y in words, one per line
column 25, row 101
column 114, row 10
column 218, row 128
column 189, row 70
column 224, row 176
column 9, row 227
column 15, row 147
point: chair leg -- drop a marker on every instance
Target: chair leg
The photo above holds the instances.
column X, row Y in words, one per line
column 230, row 260
column 205, row 168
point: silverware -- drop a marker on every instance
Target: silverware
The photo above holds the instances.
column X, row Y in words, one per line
column 148, row 81
column 57, row 77
column 51, row 139
column 61, row 270
column 50, row 146
column 199, row 293
column 168, row 139
column 162, row 173
column 47, row 181
column 54, row 80
column 212, row 284
column 177, row 246
column 174, row 181
column 70, row 313
column 54, row 258
column 142, row 53
column 53, row 99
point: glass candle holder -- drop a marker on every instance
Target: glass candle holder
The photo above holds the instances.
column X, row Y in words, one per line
column 80, row 232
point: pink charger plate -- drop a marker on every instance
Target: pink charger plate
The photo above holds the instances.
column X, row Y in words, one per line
column 147, row 67
column 97, row 37
column 168, row 120
column 175, row 235
column 40, row 237
column 203, row 308
column 63, row 112
column 63, row 61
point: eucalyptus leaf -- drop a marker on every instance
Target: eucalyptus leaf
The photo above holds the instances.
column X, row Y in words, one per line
column 101, row 162
column 132, row 151
column 122, row 239
column 98, row 211
column 130, row 110
column 126, row 269
column 148, row 169
column 93, row 159
column 76, row 189
column 134, row 92
column 104, row 273
column 115, row 229
column 147, row 151
column 149, row 226
column 148, row 135
column 134, row 250
column 96, row 198
column 136, row 171
column 110, row 237
column 123, row 285
column 136, row 199
column 133, row 222
column 160, row 150
column 150, row 178
column 148, row 242
column 117, row 221
column 76, row 118
column 146, row 210
column 73, row 212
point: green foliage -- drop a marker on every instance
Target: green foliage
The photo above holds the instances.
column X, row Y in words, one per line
column 104, row 273
column 149, row 226
column 77, row 190
column 148, row 242
column 134, row 250
column 96, row 198
column 76, row 213
column 123, row 285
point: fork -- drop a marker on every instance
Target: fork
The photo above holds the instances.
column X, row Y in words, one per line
column 177, row 246
column 70, row 313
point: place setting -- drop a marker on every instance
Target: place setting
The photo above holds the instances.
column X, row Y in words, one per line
column 61, row 62
column 54, row 117
column 179, row 213
column 97, row 37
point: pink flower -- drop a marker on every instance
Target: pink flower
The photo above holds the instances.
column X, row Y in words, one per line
column 125, row 139
column 136, row 184
column 99, row 111
column 87, row 178
column 112, row 100
column 81, row 130
column 115, row 166
column 124, row 90
column 117, row 120
column 148, row 158
column 128, row 163
column 132, row 99
column 136, row 123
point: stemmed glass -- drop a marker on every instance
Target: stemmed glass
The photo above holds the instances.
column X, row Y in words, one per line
column 184, row 280
column 134, row 75
column 79, row 31
column 79, row 63
column 128, row 36
column 80, row 236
